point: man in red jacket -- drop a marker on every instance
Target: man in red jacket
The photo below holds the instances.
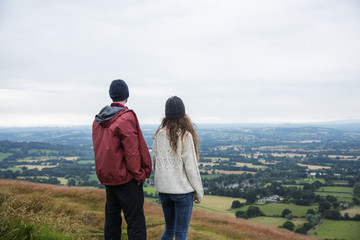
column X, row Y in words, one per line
column 122, row 163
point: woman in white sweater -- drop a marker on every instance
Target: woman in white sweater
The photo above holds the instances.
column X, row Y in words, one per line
column 177, row 177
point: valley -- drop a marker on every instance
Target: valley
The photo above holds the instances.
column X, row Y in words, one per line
column 302, row 178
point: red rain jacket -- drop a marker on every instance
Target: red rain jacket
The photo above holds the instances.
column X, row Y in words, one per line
column 120, row 150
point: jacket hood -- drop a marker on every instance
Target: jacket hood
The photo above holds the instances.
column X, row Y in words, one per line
column 106, row 114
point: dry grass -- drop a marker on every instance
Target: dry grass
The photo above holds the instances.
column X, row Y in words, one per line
column 352, row 212
column 71, row 158
column 291, row 155
column 62, row 211
column 226, row 172
column 313, row 167
column 78, row 213
column 39, row 167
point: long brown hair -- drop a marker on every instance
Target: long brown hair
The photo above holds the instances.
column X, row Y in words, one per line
column 178, row 127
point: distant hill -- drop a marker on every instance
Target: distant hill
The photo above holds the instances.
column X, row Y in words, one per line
column 41, row 211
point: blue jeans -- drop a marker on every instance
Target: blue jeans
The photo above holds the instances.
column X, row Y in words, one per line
column 177, row 210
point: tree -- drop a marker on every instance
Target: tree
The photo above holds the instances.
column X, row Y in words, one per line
column 335, row 204
column 71, row 182
column 332, row 214
column 251, row 197
column 236, row 204
column 302, row 202
column 324, row 206
column 331, row 198
column 241, row 214
column 356, row 200
column 289, row 216
column 254, row 211
column 285, row 212
column 310, row 211
column 357, row 189
column 288, row 225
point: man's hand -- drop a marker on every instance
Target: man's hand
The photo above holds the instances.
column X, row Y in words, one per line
column 196, row 201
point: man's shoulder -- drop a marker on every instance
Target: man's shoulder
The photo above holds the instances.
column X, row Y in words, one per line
column 127, row 115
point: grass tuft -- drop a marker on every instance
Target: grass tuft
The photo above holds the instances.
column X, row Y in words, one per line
column 43, row 212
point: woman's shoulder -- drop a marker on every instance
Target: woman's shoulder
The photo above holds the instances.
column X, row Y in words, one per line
column 188, row 136
column 160, row 133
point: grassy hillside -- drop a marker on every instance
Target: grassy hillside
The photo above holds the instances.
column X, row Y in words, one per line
column 41, row 211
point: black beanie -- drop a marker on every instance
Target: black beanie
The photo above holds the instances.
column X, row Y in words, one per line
column 174, row 108
column 119, row 91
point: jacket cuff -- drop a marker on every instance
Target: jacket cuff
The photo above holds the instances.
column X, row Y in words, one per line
column 140, row 178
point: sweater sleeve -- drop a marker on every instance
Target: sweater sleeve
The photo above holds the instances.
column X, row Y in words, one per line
column 191, row 167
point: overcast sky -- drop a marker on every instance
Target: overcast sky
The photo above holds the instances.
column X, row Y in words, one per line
column 231, row 61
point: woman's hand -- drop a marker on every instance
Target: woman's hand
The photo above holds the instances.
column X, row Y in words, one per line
column 196, row 201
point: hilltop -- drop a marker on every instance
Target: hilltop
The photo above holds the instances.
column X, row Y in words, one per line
column 42, row 211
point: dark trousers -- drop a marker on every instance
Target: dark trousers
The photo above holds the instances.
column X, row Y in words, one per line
column 129, row 198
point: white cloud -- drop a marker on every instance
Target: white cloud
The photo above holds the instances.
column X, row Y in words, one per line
column 231, row 61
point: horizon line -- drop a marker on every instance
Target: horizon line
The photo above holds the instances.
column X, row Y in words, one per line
column 349, row 121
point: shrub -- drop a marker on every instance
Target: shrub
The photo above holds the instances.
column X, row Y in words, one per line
column 285, row 212
column 236, row 204
column 357, row 189
column 288, row 225
column 241, row 214
column 332, row 214
column 254, row 212
column 302, row 202
column 310, row 211
column 304, row 229
column 331, row 198
column 356, row 200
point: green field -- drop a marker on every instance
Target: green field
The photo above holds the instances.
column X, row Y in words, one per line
column 337, row 189
column 341, row 182
column 93, row 177
column 11, row 169
column 331, row 229
column 4, row 155
column 209, row 176
column 310, row 180
column 43, row 151
column 342, row 197
column 39, row 158
column 343, row 194
column 210, row 203
column 86, row 162
column 217, row 158
column 218, row 204
column 149, row 190
column 250, row 165
column 297, row 186
column 275, row 209
column 279, row 221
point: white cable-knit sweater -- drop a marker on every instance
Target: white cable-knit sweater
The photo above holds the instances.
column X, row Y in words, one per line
column 176, row 173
